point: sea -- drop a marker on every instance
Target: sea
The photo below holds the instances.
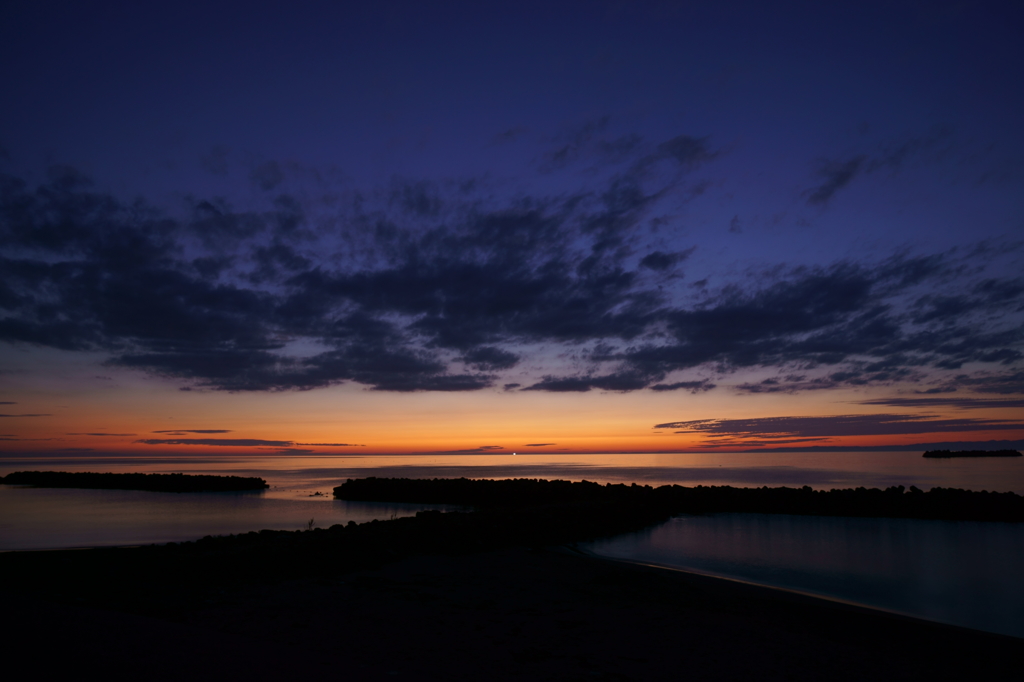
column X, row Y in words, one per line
column 960, row 573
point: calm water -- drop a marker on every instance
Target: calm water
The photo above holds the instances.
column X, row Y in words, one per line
column 56, row 518
column 293, row 477
column 963, row 573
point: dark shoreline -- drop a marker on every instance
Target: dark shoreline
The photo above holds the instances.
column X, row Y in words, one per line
column 162, row 483
column 502, row 614
column 493, row 594
column 948, row 454
column 953, row 504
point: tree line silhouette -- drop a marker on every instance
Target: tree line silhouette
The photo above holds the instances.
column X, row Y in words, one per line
column 897, row 501
column 971, row 453
column 164, row 483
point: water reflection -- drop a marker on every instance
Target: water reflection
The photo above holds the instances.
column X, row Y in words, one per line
column 50, row 518
column 963, row 573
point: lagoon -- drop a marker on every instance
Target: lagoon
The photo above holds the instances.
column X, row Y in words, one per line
column 63, row 518
column 962, row 573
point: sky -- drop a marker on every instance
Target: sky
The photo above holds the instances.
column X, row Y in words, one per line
column 559, row 227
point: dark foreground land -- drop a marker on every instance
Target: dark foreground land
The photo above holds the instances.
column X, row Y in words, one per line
column 495, row 594
column 971, row 453
column 163, row 483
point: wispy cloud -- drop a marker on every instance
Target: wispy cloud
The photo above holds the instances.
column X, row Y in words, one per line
column 100, row 434
column 334, row 445
column 228, row 442
column 960, row 403
column 766, row 430
column 834, row 175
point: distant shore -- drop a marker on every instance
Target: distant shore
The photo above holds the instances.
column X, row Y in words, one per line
column 165, row 483
column 970, row 453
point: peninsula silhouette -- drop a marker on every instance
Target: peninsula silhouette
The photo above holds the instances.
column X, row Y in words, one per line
column 164, row 483
column 970, row 453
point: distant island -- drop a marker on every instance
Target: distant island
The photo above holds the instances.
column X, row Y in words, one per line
column 530, row 496
column 971, row 453
column 163, row 483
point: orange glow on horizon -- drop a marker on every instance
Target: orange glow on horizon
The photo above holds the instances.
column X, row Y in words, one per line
column 133, row 408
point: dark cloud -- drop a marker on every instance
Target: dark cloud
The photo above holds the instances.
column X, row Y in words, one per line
column 333, row 445
column 894, row 154
column 100, row 434
column 907, row 447
column 230, row 442
column 1002, row 292
column 691, row 386
column 417, row 198
column 1008, row 383
column 26, row 415
column 427, row 287
column 572, row 144
column 961, row 403
column 620, row 381
column 482, row 448
column 834, row 176
column 595, row 142
column 538, row 445
column 686, row 150
column 510, row 135
column 834, row 426
column 181, row 432
column 882, row 373
column 7, row 402
column 620, row 148
column 488, row 358
column 659, row 260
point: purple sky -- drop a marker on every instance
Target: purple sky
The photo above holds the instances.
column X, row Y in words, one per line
column 730, row 199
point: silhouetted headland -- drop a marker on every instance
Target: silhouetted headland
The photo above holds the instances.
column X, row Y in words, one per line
column 164, row 483
column 896, row 502
column 971, row 453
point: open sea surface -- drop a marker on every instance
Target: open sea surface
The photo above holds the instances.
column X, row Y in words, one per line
column 963, row 573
